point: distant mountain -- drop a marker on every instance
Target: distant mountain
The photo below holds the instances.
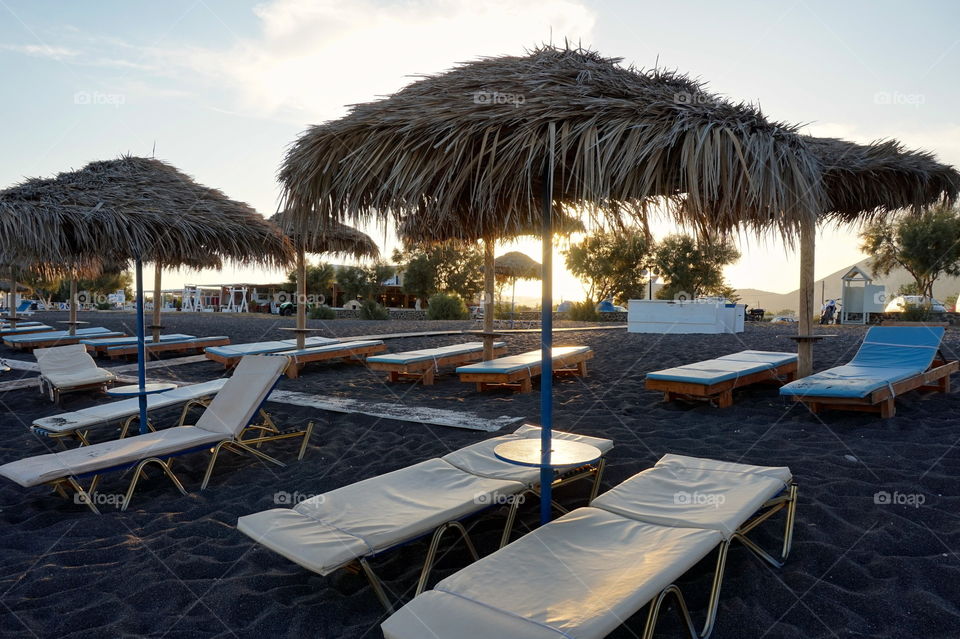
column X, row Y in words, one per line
column 830, row 286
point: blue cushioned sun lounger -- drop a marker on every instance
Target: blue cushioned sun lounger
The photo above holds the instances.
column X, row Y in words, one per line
column 101, row 345
column 58, row 338
column 425, row 363
column 357, row 351
column 25, row 329
column 181, row 345
column 891, row 361
column 518, row 371
column 715, row 379
column 230, row 355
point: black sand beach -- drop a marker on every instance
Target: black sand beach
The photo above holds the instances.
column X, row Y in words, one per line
column 175, row 566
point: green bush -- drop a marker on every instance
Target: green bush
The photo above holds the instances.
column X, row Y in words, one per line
column 370, row 310
column 322, row 312
column 585, row 311
column 916, row 313
column 104, row 306
column 444, row 306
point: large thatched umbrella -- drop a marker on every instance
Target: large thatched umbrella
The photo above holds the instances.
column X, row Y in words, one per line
column 134, row 209
column 502, row 141
column 331, row 237
column 516, row 266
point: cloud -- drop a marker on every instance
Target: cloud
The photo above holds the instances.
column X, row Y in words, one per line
column 41, row 51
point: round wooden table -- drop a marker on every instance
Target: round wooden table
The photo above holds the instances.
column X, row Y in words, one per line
column 563, row 453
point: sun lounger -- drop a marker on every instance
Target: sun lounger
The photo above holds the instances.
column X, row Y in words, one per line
column 57, row 338
column 715, row 379
column 24, row 328
column 184, row 345
column 69, row 368
column 354, row 523
column 5, row 324
column 338, row 350
column 100, row 346
column 230, row 355
column 891, row 361
column 589, row 571
column 78, row 423
column 425, row 363
column 222, row 426
column 518, row 371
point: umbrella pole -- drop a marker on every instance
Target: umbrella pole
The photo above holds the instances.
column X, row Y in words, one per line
column 301, row 299
column 157, row 303
column 513, row 303
column 808, row 232
column 488, row 266
column 546, row 341
column 73, row 307
column 141, row 350
column 12, row 298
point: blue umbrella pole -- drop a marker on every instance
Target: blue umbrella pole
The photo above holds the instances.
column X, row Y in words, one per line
column 546, row 342
column 141, row 350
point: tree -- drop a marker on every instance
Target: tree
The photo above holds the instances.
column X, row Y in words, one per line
column 693, row 267
column 926, row 246
column 45, row 289
column 612, row 263
column 366, row 282
column 445, row 267
column 100, row 286
column 320, row 278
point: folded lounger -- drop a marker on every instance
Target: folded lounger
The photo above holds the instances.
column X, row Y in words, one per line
column 183, row 345
column 100, row 346
column 338, row 350
column 69, row 368
column 423, row 364
column 222, row 426
column 891, row 361
column 58, row 338
column 715, row 379
column 230, row 355
column 587, row 572
column 78, row 423
column 518, row 371
column 357, row 522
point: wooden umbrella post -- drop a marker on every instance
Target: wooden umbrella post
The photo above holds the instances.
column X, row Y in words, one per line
column 73, row 307
column 808, row 232
column 488, row 288
column 301, row 298
column 157, row 303
column 12, row 299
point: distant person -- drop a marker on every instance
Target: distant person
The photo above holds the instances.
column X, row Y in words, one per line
column 828, row 311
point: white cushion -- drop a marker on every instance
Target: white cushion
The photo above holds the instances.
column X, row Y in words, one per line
column 580, row 576
column 330, row 530
column 243, row 394
column 695, row 493
column 70, row 366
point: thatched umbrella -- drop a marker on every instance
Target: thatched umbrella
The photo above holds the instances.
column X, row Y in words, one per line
column 332, row 237
column 480, row 146
column 516, row 266
column 210, row 261
column 135, row 209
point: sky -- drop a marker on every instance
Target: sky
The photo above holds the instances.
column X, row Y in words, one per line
column 220, row 88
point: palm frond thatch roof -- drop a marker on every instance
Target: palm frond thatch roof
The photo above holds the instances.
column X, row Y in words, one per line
column 866, row 180
column 414, row 229
column 331, row 237
column 518, row 265
column 128, row 207
column 464, row 151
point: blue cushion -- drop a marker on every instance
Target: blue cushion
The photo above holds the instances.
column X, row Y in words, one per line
column 121, row 341
column 260, row 348
column 770, row 357
column 847, row 381
column 711, row 371
column 43, row 337
column 328, row 348
column 513, row 363
column 409, row 357
column 184, row 341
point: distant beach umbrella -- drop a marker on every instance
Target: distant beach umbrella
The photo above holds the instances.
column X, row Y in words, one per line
column 501, row 142
column 326, row 237
column 131, row 208
column 516, row 266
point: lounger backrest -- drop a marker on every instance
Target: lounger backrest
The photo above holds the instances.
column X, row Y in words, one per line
column 238, row 401
column 64, row 359
column 899, row 347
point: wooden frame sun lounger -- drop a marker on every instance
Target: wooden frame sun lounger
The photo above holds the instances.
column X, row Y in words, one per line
column 355, row 351
column 588, row 572
column 230, row 355
column 25, row 328
column 424, row 364
column 184, row 345
column 892, row 360
column 351, row 525
column 100, row 346
column 58, row 338
column 221, row 427
column 716, row 379
column 518, row 371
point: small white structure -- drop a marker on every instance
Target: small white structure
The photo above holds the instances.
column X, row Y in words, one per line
column 234, row 299
column 682, row 317
column 859, row 297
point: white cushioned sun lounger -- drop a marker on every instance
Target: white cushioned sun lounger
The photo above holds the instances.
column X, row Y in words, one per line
column 716, row 379
column 355, row 351
column 518, row 371
column 892, row 360
column 424, row 364
column 361, row 520
column 221, row 425
column 230, row 355
column 69, row 368
column 182, row 345
column 58, row 338
column 589, row 571
column 77, row 423
column 101, row 345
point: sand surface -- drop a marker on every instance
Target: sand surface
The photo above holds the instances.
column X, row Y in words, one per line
column 175, row 566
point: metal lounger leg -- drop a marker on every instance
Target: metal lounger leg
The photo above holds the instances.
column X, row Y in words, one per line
column 84, row 495
column 432, row 551
column 596, row 480
column 229, row 444
column 306, row 440
column 377, row 585
column 775, row 505
column 139, row 471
